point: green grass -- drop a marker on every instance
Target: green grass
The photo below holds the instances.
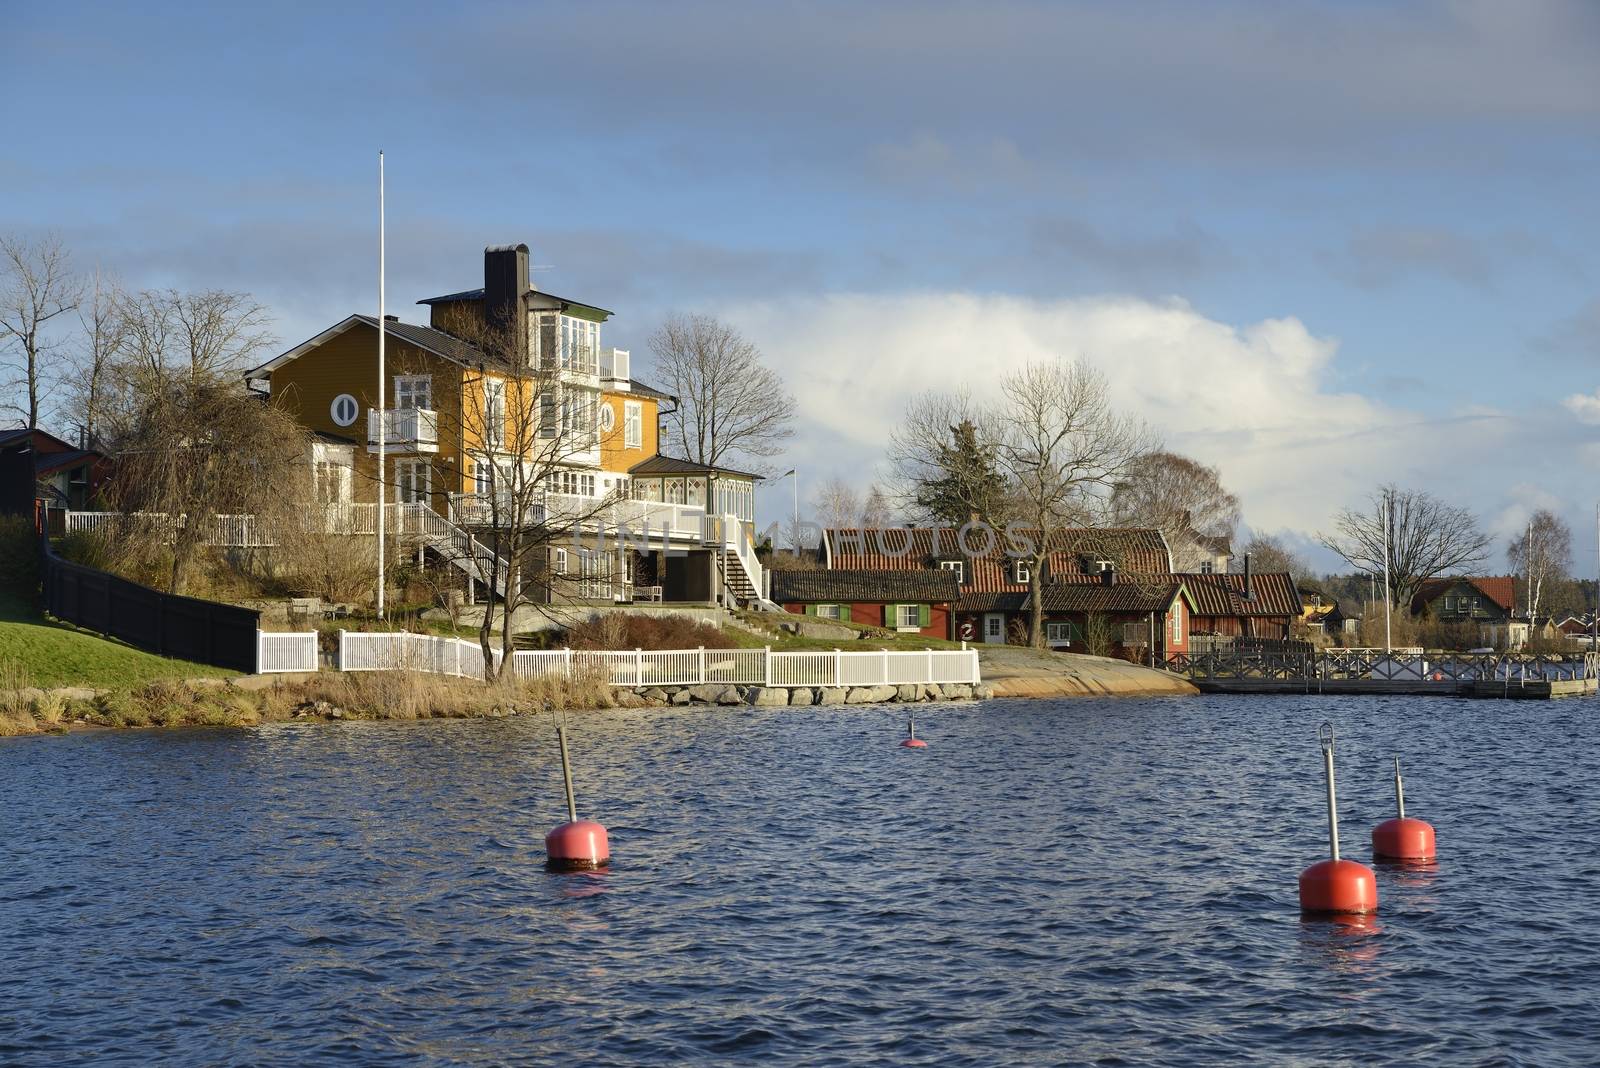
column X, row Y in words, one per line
column 50, row 654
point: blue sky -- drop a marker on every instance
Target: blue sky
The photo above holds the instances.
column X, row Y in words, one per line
column 1318, row 245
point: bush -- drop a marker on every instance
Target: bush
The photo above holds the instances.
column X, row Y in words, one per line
column 87, row 547
column 19, row 558
column 639, row 630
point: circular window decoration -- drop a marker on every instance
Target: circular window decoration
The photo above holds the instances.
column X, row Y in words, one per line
column 608, row 418
column 344, row 409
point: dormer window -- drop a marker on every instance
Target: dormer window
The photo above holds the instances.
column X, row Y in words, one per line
column 1021, row 571
column 958, row 566
column 580, row 345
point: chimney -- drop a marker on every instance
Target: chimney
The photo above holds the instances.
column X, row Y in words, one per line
column 505, row 288
column 1249, row 590
column 1108, row 573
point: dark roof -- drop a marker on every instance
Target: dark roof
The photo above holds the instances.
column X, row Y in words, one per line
column 992, row 602
column 54, row 461
column 1223, row 595
column 332, row 438
column 636, row 386
column 1501, row 589
column 1124, row 596
column 477, row 294
column 671, row 465
column 889, row 586
column 426, row 337
column 888, row 549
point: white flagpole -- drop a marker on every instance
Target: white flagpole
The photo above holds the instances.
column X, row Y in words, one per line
column 1388, row 527
column 382, row 472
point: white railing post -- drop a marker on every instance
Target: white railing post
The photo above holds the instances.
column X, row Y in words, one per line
column 766, row 666
column 886, row 666
column 340, row 660
column 930, row 666
column 838, row 668
column 638, row 667
column 261, row 652
column 566, row 661
column 700, row 679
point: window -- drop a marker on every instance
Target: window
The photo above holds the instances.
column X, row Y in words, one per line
column 578, row 417
column 1058, row 633
column 494, row 413
column 632, row 425
column 958, row 566
column 413, row 391
column 561, row 562
column 580, row 344
column 1021, row 571
column 908, row 616
column 332, row 481
column 994, row 626
column 1175, row 624
column 608, row 419
column 1135, row 634
column 344, row 409
column 415, row 478
column 1207, row 567
column 482, row 478
column 828, row 611
column 573, row 483
column 594, row 574
column 547, row 415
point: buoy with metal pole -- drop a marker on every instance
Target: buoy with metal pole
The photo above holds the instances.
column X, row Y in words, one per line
column 1335, row 885
column 577, row 845
column 1402, row 838
column 911, row 740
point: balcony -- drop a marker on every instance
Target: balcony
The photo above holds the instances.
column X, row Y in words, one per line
column 404, row 430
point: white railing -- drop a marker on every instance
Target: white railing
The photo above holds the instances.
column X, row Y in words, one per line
column 404, row 426
column 395, row 651
column 277, row 652
column 226, row 531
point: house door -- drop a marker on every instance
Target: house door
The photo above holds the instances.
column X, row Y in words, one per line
column 994, row 628
column 415, row 480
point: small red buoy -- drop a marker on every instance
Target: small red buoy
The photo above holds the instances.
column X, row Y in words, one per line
column 1336, row 886
column 579, row 845
column 576, row 845
column 1402, row 838
column 911, row 740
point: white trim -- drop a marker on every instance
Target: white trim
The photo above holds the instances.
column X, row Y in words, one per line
column 266, row 369
column 355, row 410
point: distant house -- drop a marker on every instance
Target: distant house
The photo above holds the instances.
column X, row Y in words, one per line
column 994, row 585
column 1244, row 605
column 1575, row 626
column 1139, row 615
column 1200, row 553
column 916, row 602
column 1320, row 613
column 65, row 475
column 1486, row 603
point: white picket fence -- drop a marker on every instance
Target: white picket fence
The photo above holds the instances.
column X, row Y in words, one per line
column 394, row 651
column 279, row 652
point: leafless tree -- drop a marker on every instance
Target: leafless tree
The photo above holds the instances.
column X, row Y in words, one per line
column 942, row 455
column 535, row 529
column 1064, row 448
column 1541, row 556
column 38, row 288
column 1268, row 553
column 732, row 408
column 200, row 334
column 1182, row 498
column 1426, row 537
column 876, row 511
column 836, row 503
column 100, row 343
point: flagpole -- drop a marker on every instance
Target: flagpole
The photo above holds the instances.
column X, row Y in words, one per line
column 382, row 473
column 1388, row 530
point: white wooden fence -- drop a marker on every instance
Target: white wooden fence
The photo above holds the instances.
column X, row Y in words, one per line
column 394, row 651
column 278, row 652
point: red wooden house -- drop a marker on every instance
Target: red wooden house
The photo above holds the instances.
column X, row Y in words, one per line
column 911, row 602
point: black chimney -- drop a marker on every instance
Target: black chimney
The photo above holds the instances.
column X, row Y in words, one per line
column 1108, row 573
column 505, row 288
column 1249, row 590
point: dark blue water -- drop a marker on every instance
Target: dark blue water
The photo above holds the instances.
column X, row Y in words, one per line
column 1106, row 882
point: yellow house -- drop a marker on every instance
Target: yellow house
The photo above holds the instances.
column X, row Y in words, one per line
column 453, row 429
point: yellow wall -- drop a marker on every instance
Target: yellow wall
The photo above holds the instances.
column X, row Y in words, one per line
column 613, row 456
column 348, row 363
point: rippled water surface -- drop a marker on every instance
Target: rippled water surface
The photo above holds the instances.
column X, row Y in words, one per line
column 1063, row 882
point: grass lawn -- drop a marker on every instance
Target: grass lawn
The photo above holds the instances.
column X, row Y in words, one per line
column 51, row 654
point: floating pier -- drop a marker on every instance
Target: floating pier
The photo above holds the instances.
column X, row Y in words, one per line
column 1368, row 671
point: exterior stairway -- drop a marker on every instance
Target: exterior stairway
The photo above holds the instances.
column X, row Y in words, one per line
column 456, row 545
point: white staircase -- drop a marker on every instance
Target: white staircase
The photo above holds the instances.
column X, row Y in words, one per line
column 414, row 519
column 742, row 573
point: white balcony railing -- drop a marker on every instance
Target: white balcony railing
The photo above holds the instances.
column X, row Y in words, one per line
column 405, row 428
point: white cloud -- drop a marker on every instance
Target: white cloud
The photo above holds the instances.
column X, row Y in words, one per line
column 1586, row 406
column 1263, row 401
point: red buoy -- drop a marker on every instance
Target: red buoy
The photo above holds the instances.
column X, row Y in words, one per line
column 911, row 740
column 1333, row 885
column 578, row 845
column 1402, row 838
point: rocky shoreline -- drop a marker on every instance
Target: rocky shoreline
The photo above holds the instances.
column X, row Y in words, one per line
column 802, row 696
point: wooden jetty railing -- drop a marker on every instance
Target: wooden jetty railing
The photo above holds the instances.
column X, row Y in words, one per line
column 1246, row 668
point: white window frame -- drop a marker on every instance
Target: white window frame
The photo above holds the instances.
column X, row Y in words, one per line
column 1058, row 633
column 632, row 425
column 494, row 412
column 560, row 565
column 333, row 409
column 828, row 611
column 404, row 484
column 608, row 418
column 958, row 566
column 900, row 620
column 1021, row 572
column 409, row 388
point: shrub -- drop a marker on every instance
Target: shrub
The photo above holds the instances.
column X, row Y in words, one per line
column 639, row 630
column 87, row 547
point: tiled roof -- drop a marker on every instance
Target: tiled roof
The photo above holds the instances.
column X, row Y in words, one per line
column 1126, row 596
column 886, row 586
column 1011, row 601
column 1223, row 595
column 672, row 465
column 896, row 549
column 1501, row 589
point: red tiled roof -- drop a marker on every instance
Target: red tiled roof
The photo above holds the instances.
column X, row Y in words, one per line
column 988, row 571
column 1501, row 589
column 1223, row 595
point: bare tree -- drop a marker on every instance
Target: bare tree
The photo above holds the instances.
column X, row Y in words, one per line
column 1180, row 497
column 214, row 332
column 732, row 408
column 836, row 503
column 101, row 323
column 1542, row 555
column 1268, row 553
column 876, row 511
column 1426, row 538
column 1063, row 448
column 38, row 288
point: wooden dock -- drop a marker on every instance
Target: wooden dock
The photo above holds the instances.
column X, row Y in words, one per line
column 1306, row 671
